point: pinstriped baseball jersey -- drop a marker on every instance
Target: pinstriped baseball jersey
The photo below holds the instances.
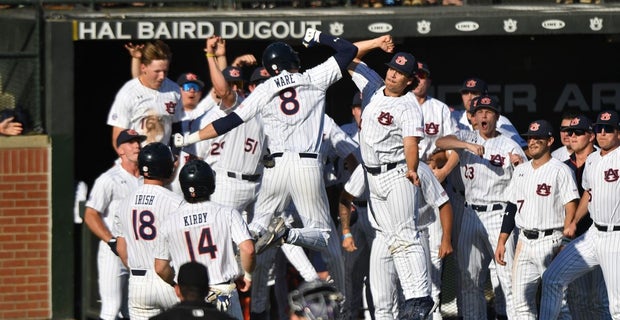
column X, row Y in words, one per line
column 139, row 220
column 149, row 112
column 486, row 178
column 292, row 107
column 110, row 188
column 385, row 120
column 504, row 126
column 186, row 120
column 561, row 153
column 203, row 232
column 239, row 150
column 336, row 146
column 438, row 122
column 601, row 177
column 540, row 194
column 431, row 198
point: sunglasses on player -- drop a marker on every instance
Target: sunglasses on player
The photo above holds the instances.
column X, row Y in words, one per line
column 191, row 85
column 607, row 127
column 577, row 132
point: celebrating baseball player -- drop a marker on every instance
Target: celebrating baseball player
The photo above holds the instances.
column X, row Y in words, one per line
column 487, row 161
column 203, row 231
column 137, row 225
column 542, row 199
column 147, row 103
column 587, row 296
column 315, row 300
column 599, row 245
column 392, row 126
column 291, row 105
column 108, row 191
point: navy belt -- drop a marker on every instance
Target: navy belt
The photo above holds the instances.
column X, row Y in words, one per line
column 301, row 155
column 606, row 228
column 535, row 234
column 493, row 207
column 381, row 169
column 138, row 272
column 248, row 177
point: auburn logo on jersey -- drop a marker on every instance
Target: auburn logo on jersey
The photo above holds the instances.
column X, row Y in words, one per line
column 431, row 128
column 385, row 118
column 497, row 160
column 611, row 175
column 543, row 189
column 170, row 106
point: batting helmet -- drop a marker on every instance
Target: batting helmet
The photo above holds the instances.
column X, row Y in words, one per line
column 278, row 57
column 156, row 161
column 197, row 181
column 316, row 300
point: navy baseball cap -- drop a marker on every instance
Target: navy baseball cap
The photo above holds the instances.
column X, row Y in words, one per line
column 423, row 67
column 194, row 274
column 129, row 135
column 357, row 99
column 190, row 77
column 539, row 128
column 404, row 62
column 259, row 75
column 232, row 74
column 474, row 85
column 485, row 102
column 608, row 117
column 581, row 122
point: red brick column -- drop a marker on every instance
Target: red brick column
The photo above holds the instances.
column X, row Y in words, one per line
column 25, row 227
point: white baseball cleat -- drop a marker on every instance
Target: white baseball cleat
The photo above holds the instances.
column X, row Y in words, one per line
column 274, row 235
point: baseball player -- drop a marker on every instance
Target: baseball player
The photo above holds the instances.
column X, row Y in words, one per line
column 191, row 94
column 147, row 103
column 291, row 105
column 586, row 297
column 563, row 153
column 192, row 289
column 137, row 226
column 108, row 191
column 542, row 199
column 487, row 160
column 392, row 126
column 598, row 246
column 203, row 231
column 438, row 122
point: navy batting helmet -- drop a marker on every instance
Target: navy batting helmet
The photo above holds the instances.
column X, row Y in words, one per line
column 316, row 300
column 197, row 181
column 278, row 57
column 156, row 161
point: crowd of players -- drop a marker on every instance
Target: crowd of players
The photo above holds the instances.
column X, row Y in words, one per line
column 237, row 181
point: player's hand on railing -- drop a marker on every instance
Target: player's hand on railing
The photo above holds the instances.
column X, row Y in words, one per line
column 311, row 38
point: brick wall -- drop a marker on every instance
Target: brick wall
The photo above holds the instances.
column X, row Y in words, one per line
column 25, row 225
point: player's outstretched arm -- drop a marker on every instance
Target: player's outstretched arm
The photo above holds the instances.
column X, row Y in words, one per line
column 221, row 89
column 451, row 142
column 345, row 50
column 451, row 163
column 135, row 51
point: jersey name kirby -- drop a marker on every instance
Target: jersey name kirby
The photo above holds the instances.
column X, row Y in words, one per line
column 194, row 219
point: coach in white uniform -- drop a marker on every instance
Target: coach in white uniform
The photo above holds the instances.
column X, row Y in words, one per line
column 108, row 191
column 543, row 199
column 599, row 245
column 487, row 160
